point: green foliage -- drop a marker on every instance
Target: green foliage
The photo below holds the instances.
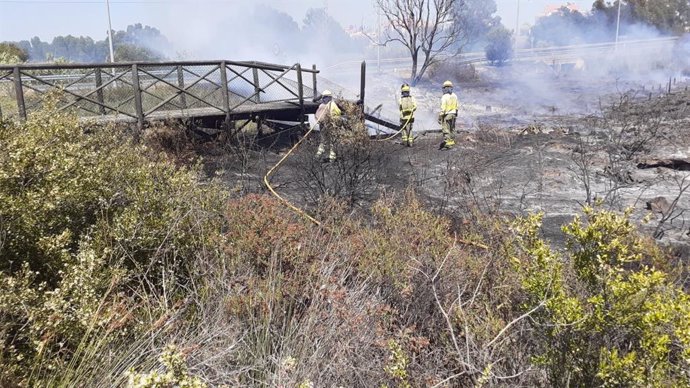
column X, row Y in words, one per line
column 108, row 251
column 84, row 214
column 176, row 374
column 10, row 53
column 474, row 20
column 606, row 246
column 397, row 364
column 669, row 16
column 138, row 43
column 499, row 46
column 132, row 53
column 615, row 321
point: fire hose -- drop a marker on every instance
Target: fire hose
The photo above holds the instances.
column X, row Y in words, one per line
column 267, row 179
column 267, row 182
column 397, row 133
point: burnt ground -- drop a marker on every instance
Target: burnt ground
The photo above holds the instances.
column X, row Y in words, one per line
column 634, row 153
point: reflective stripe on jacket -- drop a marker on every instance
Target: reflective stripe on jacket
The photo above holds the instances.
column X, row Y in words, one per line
column 407, row 107
column 449, row 104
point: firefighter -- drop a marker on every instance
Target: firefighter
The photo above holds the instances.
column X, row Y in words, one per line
column 408, row 106
column 328, row 116
column 449, row 112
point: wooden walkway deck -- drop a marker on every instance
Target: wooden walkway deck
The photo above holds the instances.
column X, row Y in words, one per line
column 286, row 110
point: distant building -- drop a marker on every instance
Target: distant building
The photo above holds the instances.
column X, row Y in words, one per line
column 551, row 9
column 357, row 31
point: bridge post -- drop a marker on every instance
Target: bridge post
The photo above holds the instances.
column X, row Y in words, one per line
column 137, row 96
column 300, row 88
column 99, row 92
column 300, row 93
column 226, row 94
column 313, row 67
column 180, row 84
column 257, row 87
column 19, row 93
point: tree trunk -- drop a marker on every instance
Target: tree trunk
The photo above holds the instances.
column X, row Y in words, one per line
column 425, row 65
column 413, row 77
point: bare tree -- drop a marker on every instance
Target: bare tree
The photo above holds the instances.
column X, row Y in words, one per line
column 423, row 26
column 674, row 211
column 583, row 158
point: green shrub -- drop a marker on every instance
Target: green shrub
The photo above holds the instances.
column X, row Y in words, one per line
column 10, row 53
column 92, row 225
column 610, row 318
column 109, row 251
column 500, row 46
column 176, row 374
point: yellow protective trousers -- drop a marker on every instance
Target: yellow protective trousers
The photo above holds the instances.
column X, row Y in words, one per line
column 448, row 126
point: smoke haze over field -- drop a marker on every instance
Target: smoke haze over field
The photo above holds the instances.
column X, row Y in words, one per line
column 313, row 31
column 24, row 19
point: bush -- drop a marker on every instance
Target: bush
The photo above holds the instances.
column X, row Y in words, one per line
column 90, row 226
column 381, row 293
column 452, row 70
column 10, row 53
column 609, row 318
column 500, row 46
column 176, row 374
column 109, row 253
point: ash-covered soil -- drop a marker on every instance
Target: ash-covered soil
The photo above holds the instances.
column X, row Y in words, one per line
column 633, row 151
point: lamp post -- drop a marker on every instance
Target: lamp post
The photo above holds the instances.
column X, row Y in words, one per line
column 110, row 33
column 517, row 27
column 618, row 22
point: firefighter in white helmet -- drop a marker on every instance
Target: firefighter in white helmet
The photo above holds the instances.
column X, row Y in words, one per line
column 449, row 112
column 328, row 115
column 408, row 106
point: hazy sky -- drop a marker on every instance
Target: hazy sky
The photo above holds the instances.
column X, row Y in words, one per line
column 23, row 19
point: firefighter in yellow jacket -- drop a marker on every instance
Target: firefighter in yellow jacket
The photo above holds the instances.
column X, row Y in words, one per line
column 408, row 106
column 449, row 112
column 328, row 115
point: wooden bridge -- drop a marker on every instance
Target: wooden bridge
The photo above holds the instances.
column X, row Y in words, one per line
column 215, row 92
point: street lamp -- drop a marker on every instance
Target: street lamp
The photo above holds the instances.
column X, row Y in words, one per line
column 517, row 27
column 110, row 33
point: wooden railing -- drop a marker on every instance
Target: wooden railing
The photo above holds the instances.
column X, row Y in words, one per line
column 145, row 91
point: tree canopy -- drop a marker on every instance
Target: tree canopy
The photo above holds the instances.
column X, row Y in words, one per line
column 137, row 42
column 567, row 26
column 668, row 16
column 474, row 20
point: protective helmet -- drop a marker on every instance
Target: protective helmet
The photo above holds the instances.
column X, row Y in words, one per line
column 327, row 93
column 405, row 88
column 447, row 84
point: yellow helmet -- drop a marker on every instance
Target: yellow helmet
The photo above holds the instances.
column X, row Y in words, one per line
column 405, row 88
column 447, row 84
column 327, row 93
